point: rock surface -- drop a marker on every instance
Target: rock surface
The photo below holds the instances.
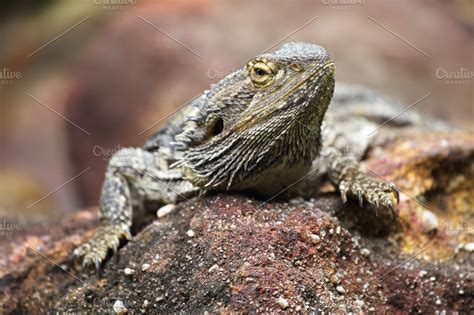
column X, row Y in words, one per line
column 232, row 253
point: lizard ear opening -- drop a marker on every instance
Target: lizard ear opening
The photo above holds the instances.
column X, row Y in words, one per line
column 218, row 126
column 215, row 126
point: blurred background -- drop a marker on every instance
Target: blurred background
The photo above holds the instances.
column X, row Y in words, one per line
column 79, row 79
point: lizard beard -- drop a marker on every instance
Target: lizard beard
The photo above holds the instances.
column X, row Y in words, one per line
column 280, row 141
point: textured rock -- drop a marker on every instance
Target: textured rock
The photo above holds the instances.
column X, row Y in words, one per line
column 247, row 256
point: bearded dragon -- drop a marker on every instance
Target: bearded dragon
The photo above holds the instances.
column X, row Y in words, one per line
column 262, row 130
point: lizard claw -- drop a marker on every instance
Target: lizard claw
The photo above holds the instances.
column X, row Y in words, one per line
column 343, row 189
column 376, row 202
column 396, row 192
column 97, row 263
column 360, row 197
column 96, row 249
column 370, row 191
column 392, row 209
column 390, row 205
column 343, row 196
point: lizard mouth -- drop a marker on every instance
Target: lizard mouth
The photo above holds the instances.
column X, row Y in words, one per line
column 316, row 75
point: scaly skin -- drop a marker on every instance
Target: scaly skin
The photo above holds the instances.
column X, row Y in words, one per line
column 258, row 130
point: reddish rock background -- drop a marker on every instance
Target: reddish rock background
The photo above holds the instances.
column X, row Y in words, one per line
column 229, row 253
column 114, row 75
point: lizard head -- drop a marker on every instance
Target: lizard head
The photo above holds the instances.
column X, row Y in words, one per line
column 264, row 115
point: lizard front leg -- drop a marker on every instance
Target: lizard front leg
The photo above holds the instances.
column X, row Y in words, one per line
column 115, row 220
column 130, row 168
column 344, row 172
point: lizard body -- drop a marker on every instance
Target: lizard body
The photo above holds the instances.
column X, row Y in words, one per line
column 263, row 129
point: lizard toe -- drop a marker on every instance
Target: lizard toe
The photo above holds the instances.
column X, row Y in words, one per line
column 343, row 190
column 379, row 195
column 105, row 238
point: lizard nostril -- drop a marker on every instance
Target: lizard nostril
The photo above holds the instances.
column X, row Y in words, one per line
column 296, row 67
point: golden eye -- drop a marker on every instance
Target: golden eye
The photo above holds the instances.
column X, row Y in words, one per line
column 296, row 67
column 261, row 73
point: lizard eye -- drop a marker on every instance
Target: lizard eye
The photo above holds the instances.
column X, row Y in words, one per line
column 261, row 73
